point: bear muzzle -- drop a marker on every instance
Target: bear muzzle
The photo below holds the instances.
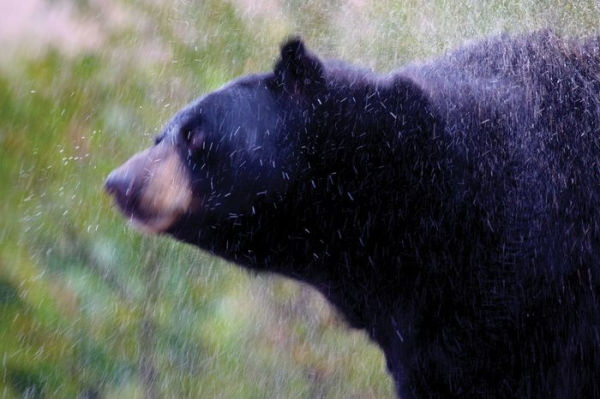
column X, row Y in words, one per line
column 152, row 188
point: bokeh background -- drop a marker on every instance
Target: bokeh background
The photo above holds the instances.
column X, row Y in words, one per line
column 90, row 308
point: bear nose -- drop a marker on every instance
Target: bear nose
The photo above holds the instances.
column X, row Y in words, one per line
column 118, row 184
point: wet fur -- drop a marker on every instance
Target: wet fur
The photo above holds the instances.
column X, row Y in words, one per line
column 451, row 209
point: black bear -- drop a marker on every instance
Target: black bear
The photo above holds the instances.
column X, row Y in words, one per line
column 450, row 209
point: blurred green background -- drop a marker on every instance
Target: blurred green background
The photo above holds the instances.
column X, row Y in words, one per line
column 90, row 308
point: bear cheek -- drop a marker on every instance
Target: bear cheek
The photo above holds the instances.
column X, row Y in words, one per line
column 166, row 194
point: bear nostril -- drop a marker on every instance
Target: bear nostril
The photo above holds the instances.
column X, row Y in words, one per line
column 117, row 184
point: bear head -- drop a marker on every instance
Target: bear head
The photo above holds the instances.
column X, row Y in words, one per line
column 223, row 156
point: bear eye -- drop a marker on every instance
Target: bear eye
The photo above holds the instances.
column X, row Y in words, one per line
column 192, row 138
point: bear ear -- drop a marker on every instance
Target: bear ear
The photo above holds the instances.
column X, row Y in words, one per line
column 298, row 70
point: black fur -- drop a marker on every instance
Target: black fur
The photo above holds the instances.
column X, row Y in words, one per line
column 450, row 209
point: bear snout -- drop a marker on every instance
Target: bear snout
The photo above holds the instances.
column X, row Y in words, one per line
column 151, row 188
column 118, row 184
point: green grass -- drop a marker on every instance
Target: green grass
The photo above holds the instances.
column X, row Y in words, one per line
column 89, row 306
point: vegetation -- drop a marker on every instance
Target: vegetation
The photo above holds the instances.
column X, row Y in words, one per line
column 90, row 308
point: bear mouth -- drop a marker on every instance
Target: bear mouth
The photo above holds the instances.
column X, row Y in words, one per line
column 140, row 220
column 148, row 219
column 154, row 224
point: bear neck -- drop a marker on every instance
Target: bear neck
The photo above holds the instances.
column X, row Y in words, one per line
column 366, row 143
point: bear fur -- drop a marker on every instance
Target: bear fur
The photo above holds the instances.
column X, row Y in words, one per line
column 451, row 209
